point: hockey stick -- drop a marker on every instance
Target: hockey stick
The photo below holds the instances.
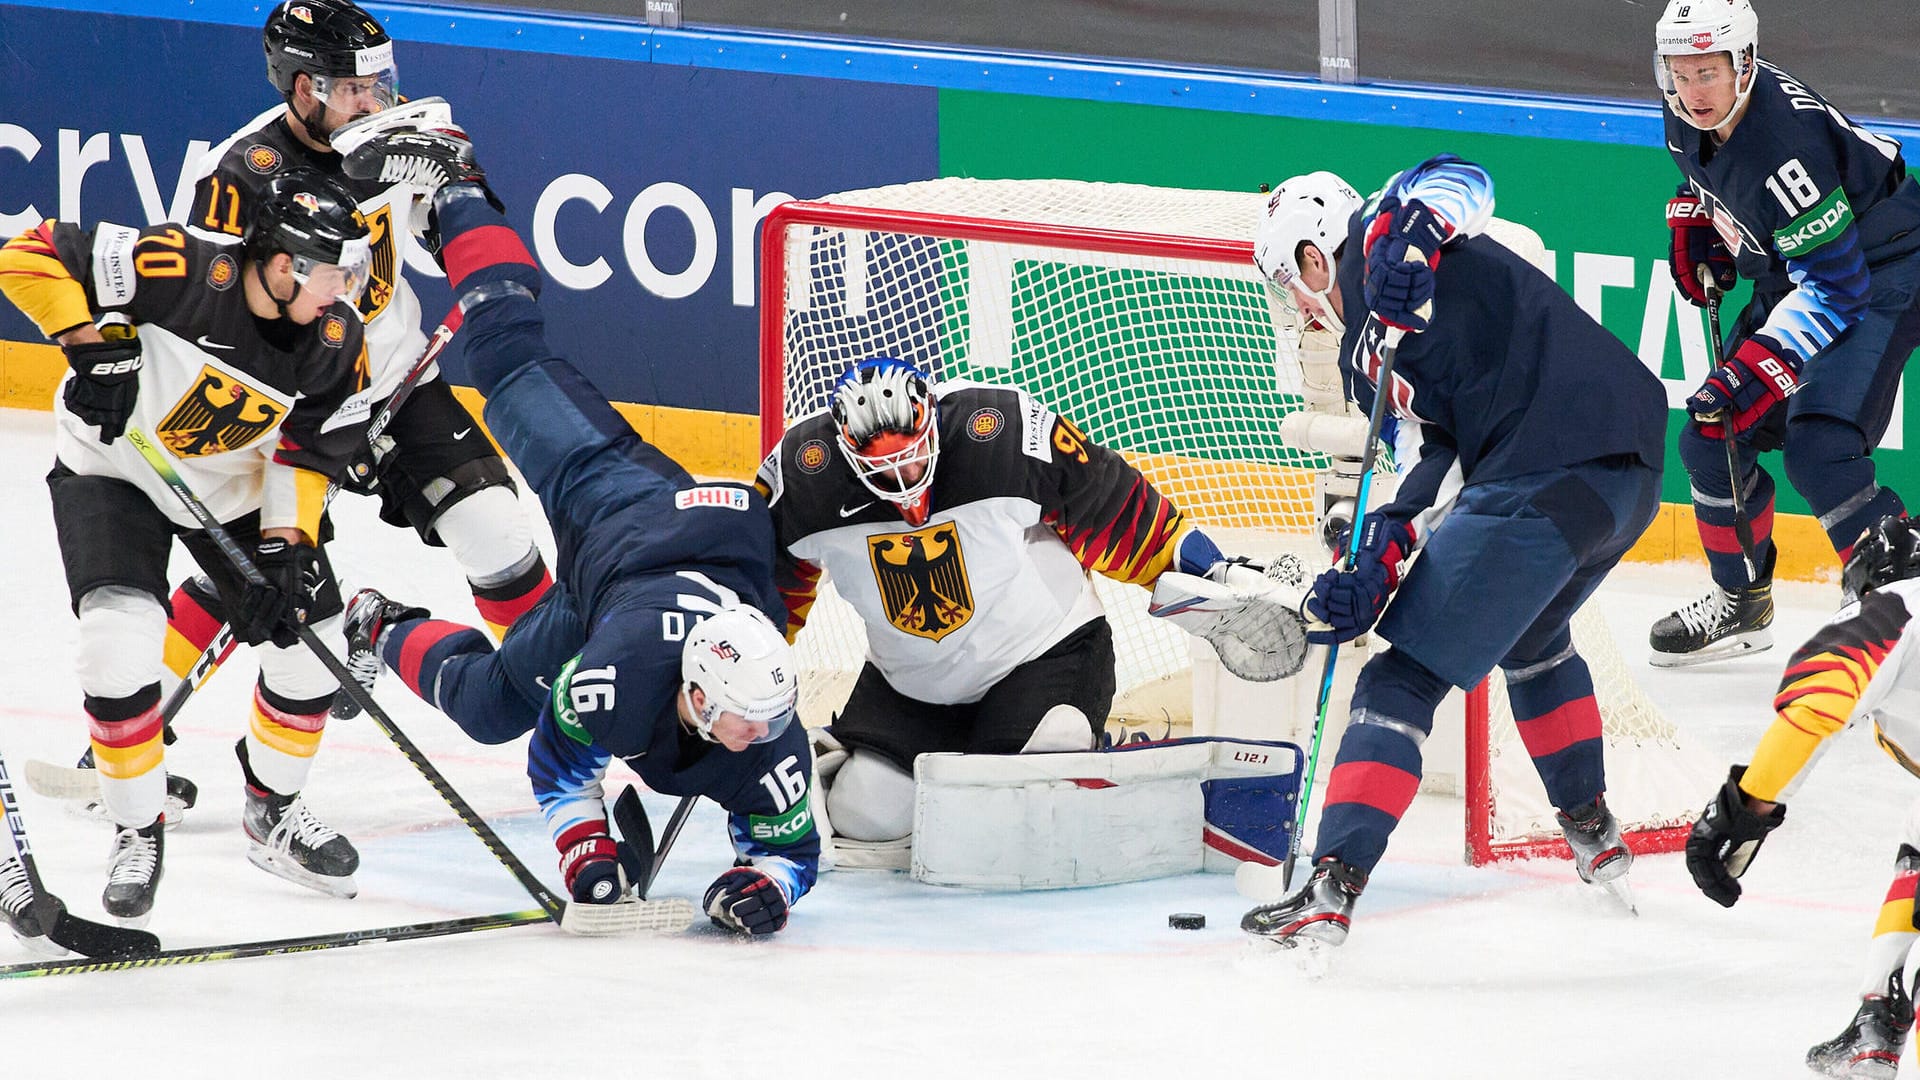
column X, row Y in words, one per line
column 311, row 943
column 1742, row 525
column 1389, row 349
column 49, row 916
column 81, row 781
column 592, row 919
column 639, row 856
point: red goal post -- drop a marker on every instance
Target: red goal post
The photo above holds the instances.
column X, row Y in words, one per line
column 1163, row 278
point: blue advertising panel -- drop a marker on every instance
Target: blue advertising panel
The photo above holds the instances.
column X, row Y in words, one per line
column 638, row 185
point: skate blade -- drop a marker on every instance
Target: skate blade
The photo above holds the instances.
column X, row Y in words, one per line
column 132, row 922
column 171, row 812
column 1310, row 958
column 42, row 945
column 285, row 868
column 1622, row 892
column 667, row 916
column 1725, row 649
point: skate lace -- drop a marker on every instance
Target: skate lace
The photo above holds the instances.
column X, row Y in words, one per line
column 298, row 825
column 364, row 665
column 1702, row 614
column 134, row 859
column 16, row 892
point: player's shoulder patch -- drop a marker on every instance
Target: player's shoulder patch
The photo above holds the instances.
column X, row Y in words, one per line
column 115, row 279
column 720, row 496
column 222, row 271
column 261, row 159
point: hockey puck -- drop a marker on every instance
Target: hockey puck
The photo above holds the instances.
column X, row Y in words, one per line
column 1187, row 920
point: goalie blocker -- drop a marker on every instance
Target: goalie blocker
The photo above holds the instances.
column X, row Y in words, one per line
column 1066, row 820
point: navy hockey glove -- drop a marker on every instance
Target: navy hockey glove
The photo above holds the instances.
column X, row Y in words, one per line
column 1726, row 838
column 1351, row 600
column 746, row 901
column 1741, row 392
column 274, row 609
column 106, row 380
column 1696, row 244
column 1403, row 250
column 590, row 864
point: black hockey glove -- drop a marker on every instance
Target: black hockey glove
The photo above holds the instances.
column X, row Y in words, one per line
column 746, row 901
column 274, row 609
column 1725, row 840
column 106, row 380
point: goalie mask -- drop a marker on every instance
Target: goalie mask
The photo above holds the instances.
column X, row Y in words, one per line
column 1311, row 209
column 744, row 666
column 1702, row 28
column 1888, row 551
column 341, row 48
column 310, row 217
column 889, row 432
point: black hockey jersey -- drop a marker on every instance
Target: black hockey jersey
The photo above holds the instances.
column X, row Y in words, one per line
column 251, row 409
column 1022, row 506
column 1807, row 201
column 1511, row 377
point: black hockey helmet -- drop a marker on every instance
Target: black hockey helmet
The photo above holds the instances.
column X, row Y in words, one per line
column 1889, row 550
column 307, row 214
column 327, row 39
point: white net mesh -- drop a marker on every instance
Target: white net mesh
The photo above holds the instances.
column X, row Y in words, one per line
column 1180, row 361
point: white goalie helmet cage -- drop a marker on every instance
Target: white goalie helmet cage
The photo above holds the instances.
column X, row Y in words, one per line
column 1312, row 208
column 1702, row 27
column 743, row 664
column 887, row 418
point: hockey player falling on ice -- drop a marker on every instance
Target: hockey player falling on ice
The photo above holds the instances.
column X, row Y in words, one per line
column 658, row 642
column 1782, row 189
column 961, row 520
column 333, row 63
column 1859, row 667
column 1530, row 441
column 235, row 358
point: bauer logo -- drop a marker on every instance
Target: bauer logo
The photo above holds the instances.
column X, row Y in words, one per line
column 222, row 273
column 725, row 498
column 333, row 331
column 263, row 159
column 812, row 456
column 984, row 425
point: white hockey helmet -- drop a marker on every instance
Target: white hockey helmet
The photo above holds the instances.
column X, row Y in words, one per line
column 1314, row 209
column 1701, row 27
column 888, row 421
column 743, row 664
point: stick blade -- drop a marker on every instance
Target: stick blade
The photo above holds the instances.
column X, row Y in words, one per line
column 670, row 916
column 61, row 781
column 636, row 835
column 100, row 941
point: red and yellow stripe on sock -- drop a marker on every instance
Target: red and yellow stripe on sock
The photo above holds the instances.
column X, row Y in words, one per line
column 1896, row 911
column 281, row 744
column 500, row 605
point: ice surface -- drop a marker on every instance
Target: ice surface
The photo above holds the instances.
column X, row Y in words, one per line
column 1517, row 971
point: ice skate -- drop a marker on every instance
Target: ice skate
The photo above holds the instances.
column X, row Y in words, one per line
column 133, row 872
column 429, row 159
column 368, row 615
column 1869, row 1049
column 288, row 841
column 16, row 898
column 1317, row 915
column 1719, row 625
column 1600, row 854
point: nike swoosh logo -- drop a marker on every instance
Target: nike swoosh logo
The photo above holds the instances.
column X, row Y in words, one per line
column 205, row 344
column 314, row 589
column 461, row 434
column 849, row 511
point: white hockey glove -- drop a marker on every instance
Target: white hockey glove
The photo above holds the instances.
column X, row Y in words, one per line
column 1252, row 619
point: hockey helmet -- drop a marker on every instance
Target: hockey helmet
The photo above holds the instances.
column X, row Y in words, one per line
column 1888, row 551
column 342, row 48
column 1701, row 27
column 743, row 664
column 1311, row 209
column 888, row 420
column 307, row 215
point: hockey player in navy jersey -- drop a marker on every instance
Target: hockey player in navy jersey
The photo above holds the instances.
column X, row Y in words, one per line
column 1530, row 443
column 657, row 643
column 1782, row 189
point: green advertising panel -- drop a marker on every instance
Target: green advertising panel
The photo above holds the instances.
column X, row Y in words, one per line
column 1599, row 207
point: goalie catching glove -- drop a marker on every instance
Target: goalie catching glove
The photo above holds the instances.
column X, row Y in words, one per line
column 746, row 901
column 1250, row 617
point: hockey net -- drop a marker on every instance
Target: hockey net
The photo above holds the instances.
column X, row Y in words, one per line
column 1137, row 312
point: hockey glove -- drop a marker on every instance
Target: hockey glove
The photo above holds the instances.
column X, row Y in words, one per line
column 1349, row 601
column 274, row 609
column 106, row 380
column 1403, row 251
column 363, row 473
column 1696, row 244
column 746, row 901
column 1725, row 840
column 590, row 864
column 1741, row 392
